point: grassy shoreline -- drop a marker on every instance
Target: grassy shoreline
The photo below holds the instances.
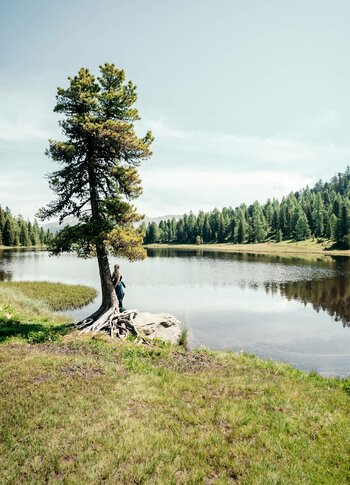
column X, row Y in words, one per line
column 285, row 247
column 78, row 409
column 33, row 246
column 29, row 310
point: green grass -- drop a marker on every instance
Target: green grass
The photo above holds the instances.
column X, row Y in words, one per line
column 27, row 310
column 77, row 409
column 58, row 296
column 91, row 412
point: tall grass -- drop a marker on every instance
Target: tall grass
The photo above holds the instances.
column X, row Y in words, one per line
column 58, row 296
column 28, row 310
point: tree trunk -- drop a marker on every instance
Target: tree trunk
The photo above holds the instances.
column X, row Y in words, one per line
column 109, row 297
column 108, row 317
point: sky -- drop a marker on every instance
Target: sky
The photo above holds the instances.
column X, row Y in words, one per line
column 246, row 99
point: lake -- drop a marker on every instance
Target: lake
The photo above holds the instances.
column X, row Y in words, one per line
column 294, row 309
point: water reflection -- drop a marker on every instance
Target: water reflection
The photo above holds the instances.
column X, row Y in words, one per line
column 320, row 280
column 330, row 295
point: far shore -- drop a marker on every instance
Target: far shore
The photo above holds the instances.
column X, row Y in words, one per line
column 285, row 247
column 33, row 246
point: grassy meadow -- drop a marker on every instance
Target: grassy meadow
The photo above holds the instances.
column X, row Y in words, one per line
column 82, row 409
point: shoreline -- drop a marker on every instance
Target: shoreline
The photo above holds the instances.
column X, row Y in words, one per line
column 34, row 246
column 291, row 248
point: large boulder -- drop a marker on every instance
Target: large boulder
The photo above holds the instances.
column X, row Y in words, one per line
column 158, row 325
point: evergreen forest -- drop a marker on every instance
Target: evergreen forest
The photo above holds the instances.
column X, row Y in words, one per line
column 16, row 231
column 321, row 212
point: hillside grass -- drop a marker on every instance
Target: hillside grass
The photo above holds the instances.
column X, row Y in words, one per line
column 76, row 409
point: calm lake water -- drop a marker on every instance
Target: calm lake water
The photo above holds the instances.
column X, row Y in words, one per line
column 293, row 309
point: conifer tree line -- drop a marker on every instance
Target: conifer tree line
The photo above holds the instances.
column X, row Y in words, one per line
column 16, row 231
column 322, row 212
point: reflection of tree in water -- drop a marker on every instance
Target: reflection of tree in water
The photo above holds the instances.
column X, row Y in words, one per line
column 5, row 275
column 5, row 257
column 329, row 295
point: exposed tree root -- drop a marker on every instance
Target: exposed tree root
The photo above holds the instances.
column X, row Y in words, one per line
column 118, row 325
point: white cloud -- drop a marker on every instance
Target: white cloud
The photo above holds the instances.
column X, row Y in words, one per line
column 176, row 191
column 190, row 169
column 21, row 129
column 198, row 170
column 25, row 115
column 245, row 152
column 23, row 194
column 282, row 182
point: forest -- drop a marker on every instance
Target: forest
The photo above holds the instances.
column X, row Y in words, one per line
column 321, row 212
column 16, row 231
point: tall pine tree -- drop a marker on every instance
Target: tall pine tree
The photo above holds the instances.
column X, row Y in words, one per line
column 98, row 176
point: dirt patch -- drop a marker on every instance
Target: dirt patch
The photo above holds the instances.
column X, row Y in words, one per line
column 83, row 370
column 41, row 378
column 49, row 348
column 58, row 349
column 193, row 362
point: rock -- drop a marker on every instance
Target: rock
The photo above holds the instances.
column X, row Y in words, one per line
column 159, row 325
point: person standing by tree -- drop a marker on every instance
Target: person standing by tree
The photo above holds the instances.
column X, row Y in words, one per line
column 98, row 175
column 119, row 286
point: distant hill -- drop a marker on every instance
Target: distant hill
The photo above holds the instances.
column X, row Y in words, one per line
column 149, row 220
column 54, row 226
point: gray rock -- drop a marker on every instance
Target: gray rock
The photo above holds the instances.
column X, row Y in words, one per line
column 159, row 325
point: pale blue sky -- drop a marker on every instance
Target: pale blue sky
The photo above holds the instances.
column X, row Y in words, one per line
column 246, row 99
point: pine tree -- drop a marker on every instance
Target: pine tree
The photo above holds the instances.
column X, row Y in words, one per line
column 154, row 233
column 8, row 235
column 318, row 215
column 258, row 224
column 2, row 219
column 207, row 234
column 98, row 177
column 302, row 229
column 24, row 238
column 343, row 225
column 180, row 233
column 42, row 235
column 48, row 237
column 221, row 229
column 242, row 229
column 278, row 235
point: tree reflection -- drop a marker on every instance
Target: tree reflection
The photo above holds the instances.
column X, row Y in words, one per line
column 329, row 295
column 5, row 275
